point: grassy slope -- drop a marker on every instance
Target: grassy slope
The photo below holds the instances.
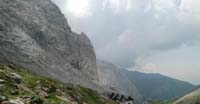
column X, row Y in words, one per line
column 190, row 98
column 31, row 82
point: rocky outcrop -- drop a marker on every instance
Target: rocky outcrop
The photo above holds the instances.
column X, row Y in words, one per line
column 34, row 34
column 114, row 79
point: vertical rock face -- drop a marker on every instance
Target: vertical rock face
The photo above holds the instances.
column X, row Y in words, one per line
column 34, row 34
column 114, row 78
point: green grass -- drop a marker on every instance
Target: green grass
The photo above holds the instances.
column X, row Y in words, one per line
column 54, row 100
column 89, row 96
column 32, row 81
column 197, row 99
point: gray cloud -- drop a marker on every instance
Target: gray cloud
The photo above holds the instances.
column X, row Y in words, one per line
column 123, row 31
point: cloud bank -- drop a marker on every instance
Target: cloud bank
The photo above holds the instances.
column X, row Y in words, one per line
column 127, row 32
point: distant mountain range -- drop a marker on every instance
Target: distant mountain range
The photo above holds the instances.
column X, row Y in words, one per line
column 152, row 85
column 157, row 86
column 113, row 77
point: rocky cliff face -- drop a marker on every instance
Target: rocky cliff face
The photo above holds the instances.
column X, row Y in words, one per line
column 114, row 78
column 34, row 34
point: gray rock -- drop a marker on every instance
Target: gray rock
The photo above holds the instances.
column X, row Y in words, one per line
column 5, row 102
column 2, row 81
column 16, row 101
column 34, row 34
column 16, row 77
column 1, row 86
column 14, row 92
column 2, row 98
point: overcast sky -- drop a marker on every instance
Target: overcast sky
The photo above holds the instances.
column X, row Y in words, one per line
column 147, row 35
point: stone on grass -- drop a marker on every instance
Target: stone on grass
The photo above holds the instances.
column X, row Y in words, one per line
column 16, row 77
column 16, row 101
column 2, row 98
column 2, row 81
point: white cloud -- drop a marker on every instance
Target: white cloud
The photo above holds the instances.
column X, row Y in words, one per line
column 79, row 8
column 180, row 63
column 124, row 31
column 189, row 10
column 191, row 6
column 118, row 5
column 75, row 8
column 163, row 5
column 143, row 66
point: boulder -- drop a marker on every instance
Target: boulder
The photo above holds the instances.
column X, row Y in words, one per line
column 16, row 77
column 43, row 94
column 14, row 92
column 5, row 102
column 1, row 86
column 2, row 81
column 2, row 98
column 16, row 101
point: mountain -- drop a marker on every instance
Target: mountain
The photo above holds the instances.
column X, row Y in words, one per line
column 113, row 77
column 190, row 98
column 157, row 86
column 34, row 34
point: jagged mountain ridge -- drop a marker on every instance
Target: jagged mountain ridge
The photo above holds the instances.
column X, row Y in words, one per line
column 114, row 78
column 157, row 86
column 34, row 34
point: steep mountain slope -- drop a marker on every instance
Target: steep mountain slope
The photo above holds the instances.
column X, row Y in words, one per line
column 19, row 86
column 34, row 34
column 191, row 98
column 157, row 86
column 114, row 78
